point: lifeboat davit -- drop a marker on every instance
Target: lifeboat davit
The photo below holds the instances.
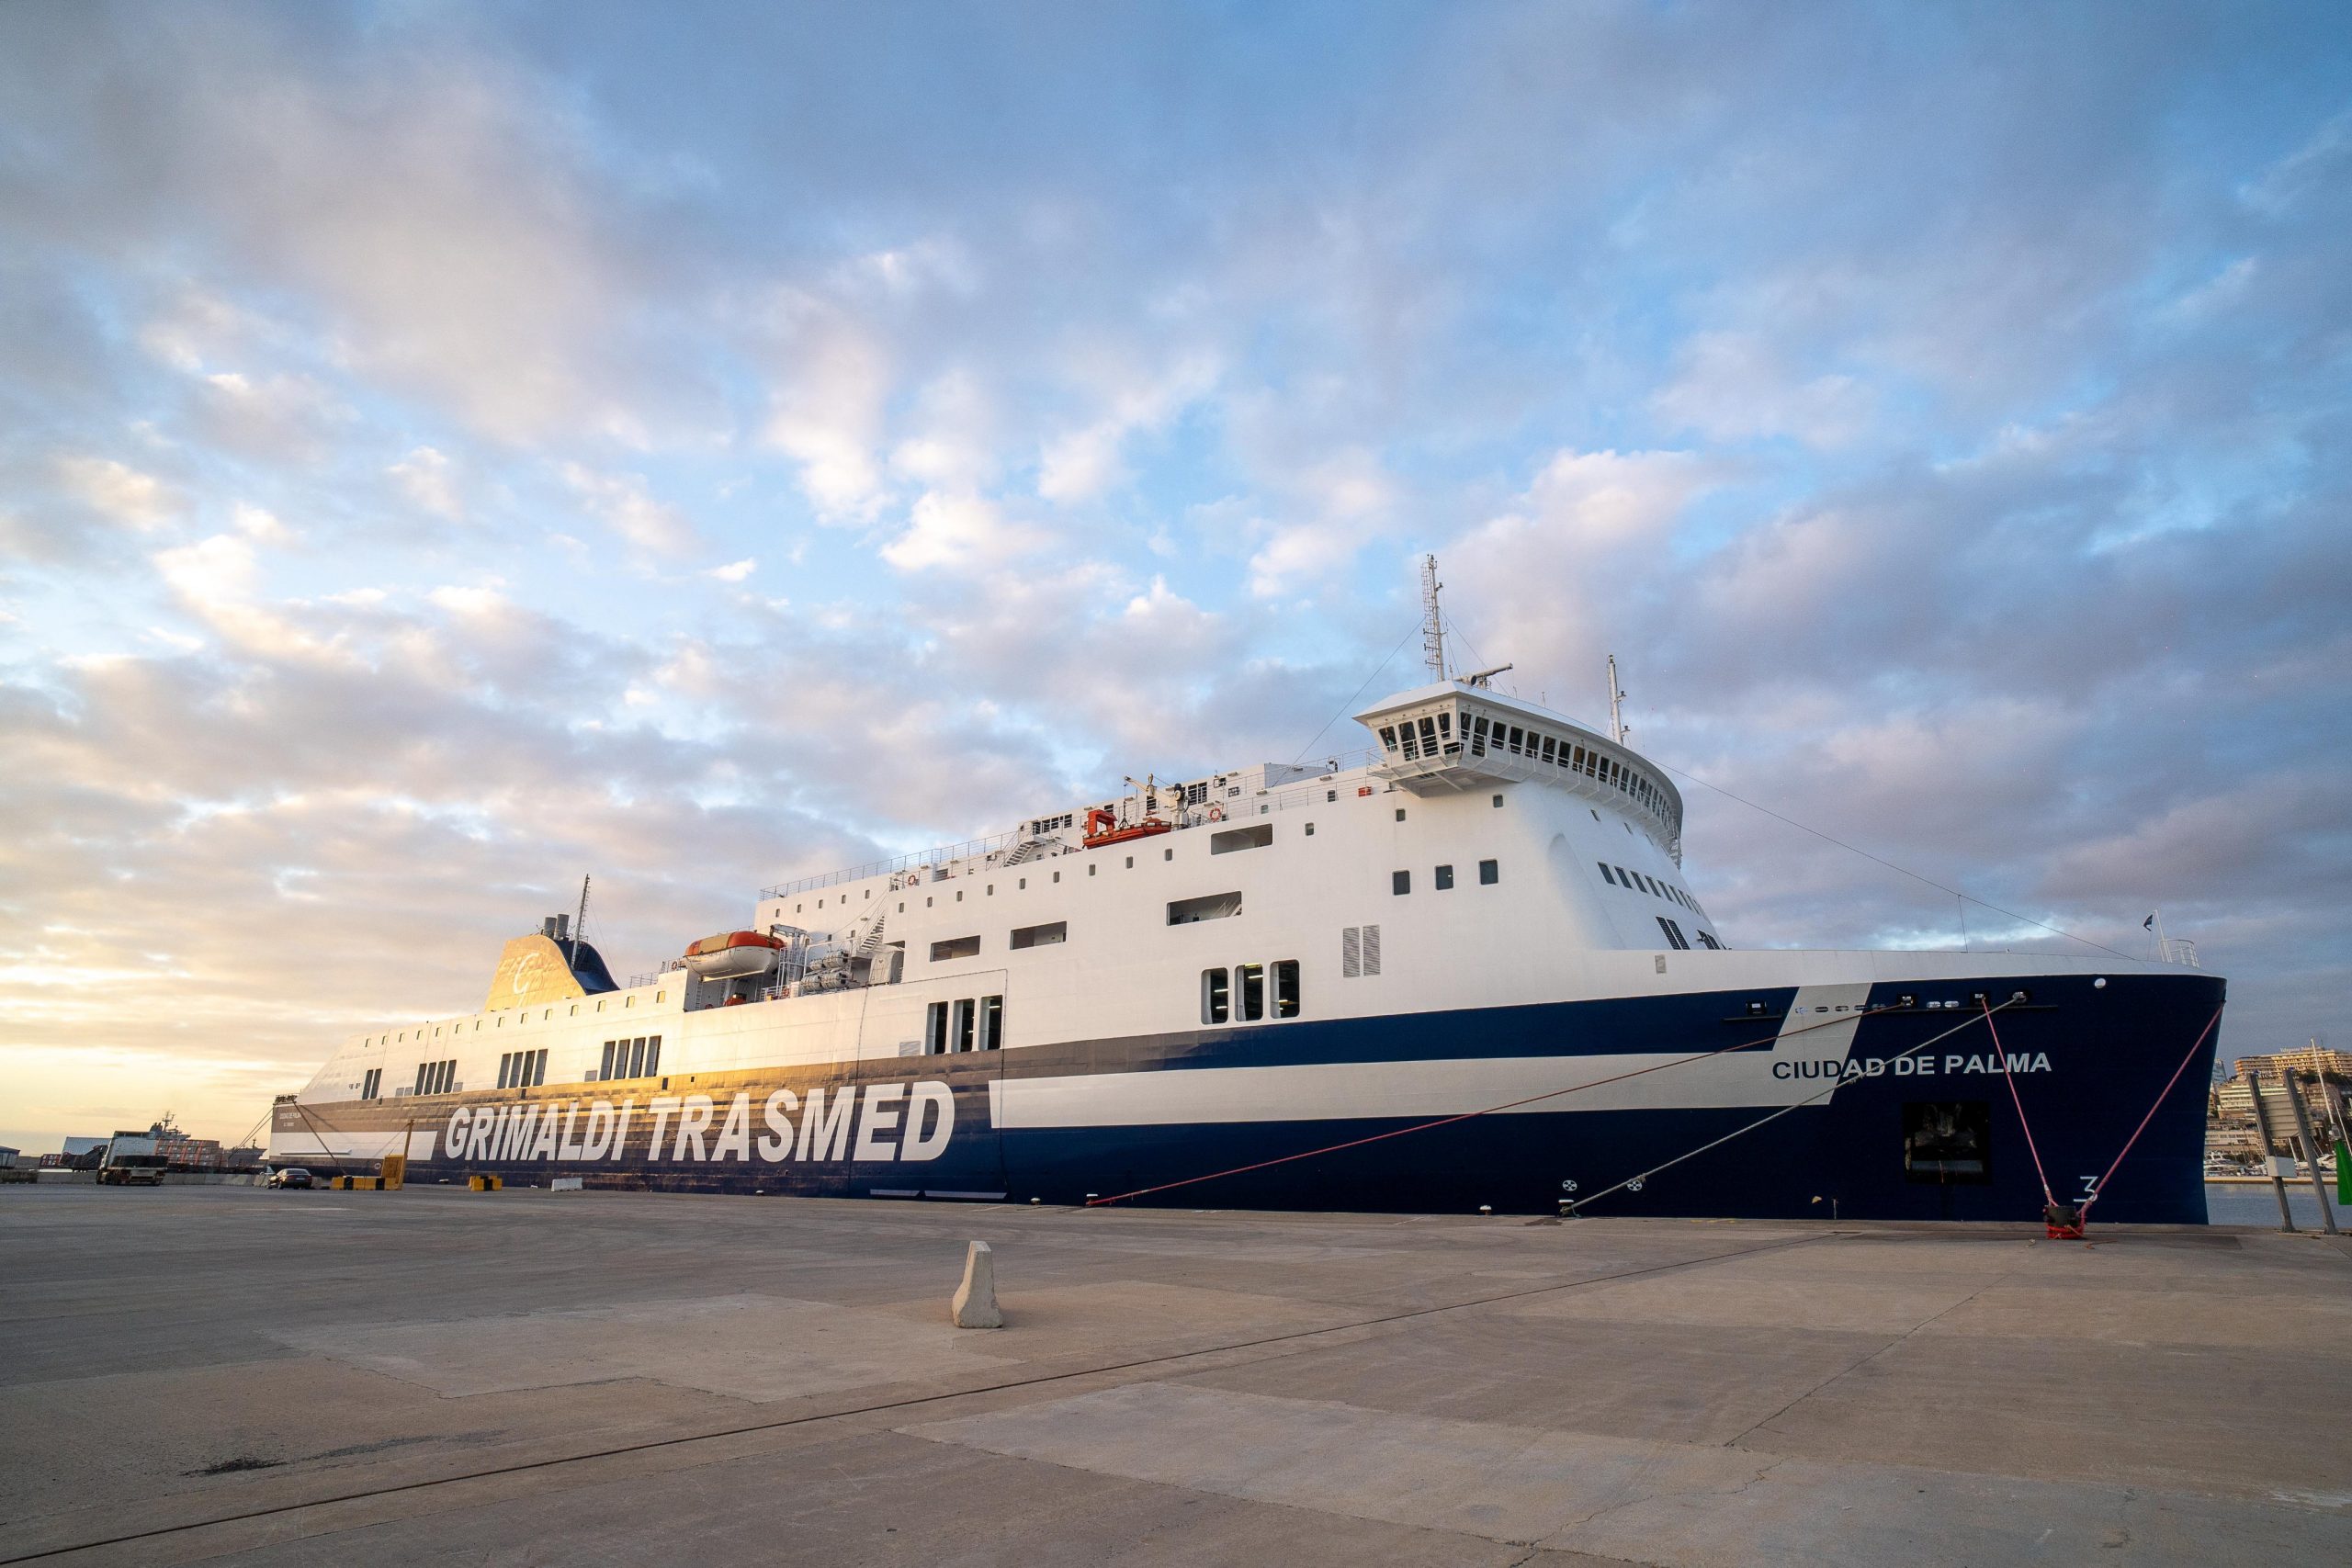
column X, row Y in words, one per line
column 732, row 955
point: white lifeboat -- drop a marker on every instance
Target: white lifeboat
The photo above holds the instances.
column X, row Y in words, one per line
column 732, row 955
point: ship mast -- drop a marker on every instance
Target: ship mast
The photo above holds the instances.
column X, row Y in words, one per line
column 579, row 923
column 1616, row 715
column 1432, row 628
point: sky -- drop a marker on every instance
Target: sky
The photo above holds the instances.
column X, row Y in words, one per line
column 447, row 450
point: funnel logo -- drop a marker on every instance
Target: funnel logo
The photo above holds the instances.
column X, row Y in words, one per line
column 526, row 972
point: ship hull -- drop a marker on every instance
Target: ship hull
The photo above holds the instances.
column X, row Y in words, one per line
column 1871, row 1106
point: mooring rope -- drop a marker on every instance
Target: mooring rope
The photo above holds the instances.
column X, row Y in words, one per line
column 2007, row 1076
column 2100, row 1190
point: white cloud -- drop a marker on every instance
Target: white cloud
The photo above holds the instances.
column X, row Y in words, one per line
column 262, row 527
column 826, row 407
column 1081, row 463
column 122, row 493
column 959, row 530
column 1732, row 386
column 622, row 502
column 734, row 571
column 426, row 477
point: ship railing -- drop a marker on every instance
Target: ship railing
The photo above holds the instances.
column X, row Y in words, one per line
column 918, row 860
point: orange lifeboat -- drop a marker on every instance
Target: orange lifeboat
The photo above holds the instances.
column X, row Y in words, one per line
column 1103, row 829
column 732, row 955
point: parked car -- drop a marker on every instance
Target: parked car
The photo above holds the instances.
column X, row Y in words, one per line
column 291, row 1176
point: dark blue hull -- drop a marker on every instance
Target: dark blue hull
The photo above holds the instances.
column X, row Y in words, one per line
column 1902, row 1132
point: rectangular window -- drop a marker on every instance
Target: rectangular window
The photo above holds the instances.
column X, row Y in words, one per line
column 1208, row 907
column 1604, row 872
column 505, row 1063
column 1215, row 992
column 1400, row 882
column 1249, row 980
column 1477, row 738
column 539, row 1071
column 1624, row 877
column 605, row 1067
column 1673, row 933
column 1489, row 872
column 1709, row 942
column 991, row 1023
column 1041, row 936
column 1548, row 744
column 1947, row 1142
column 934, row 1029
column 954, row 947
column 1428, row 737
column 963, row 1025
column 654, row 1055
column 1257, row 836
column 1444, row 879
column 1389, row 737
column 1286, row 989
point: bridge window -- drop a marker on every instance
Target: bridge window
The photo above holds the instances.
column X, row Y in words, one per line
column 1477, row 737
column 1548, row 743
column 1041, row 936
column 1249, row 980
column 1286, row 989
column 1428, row 736
column 954, row 947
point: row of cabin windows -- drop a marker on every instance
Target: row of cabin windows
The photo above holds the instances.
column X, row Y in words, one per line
column 1239, row 995
column 522, row 1070
column 499, row 1019
column 1401, row 882
column 1641, row 883
column 638, row 1058
column 972, row 1023
column 1046, row 935
column 436, row 1077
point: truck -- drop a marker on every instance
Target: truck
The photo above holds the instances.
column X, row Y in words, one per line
column 133, row 1160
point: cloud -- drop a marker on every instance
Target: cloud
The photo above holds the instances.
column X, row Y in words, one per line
column 120, row 492
column 1080, row 463
column 624, row 504
column 961, row 532
column 427, row 478
column 825, row 404
column 1731, row 387
column 733, row 571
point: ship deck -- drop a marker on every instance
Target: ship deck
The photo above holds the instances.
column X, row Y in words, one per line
column 256, row 1377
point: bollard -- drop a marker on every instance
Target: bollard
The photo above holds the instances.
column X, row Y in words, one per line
column 975, row 1304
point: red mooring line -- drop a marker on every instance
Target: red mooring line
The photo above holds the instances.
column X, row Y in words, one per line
column 2007, row 1076
column 1469, row 1115
column 2100, row 1191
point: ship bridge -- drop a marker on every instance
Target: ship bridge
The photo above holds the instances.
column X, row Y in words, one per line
column 1455, row 736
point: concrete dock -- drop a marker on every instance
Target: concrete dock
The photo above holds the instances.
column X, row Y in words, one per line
column 526, row 1377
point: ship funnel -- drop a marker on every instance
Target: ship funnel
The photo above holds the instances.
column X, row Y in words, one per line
column 556, row 928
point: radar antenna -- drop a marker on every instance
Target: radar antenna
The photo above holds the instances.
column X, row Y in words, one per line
column 1616, row 715
column 1432, row 627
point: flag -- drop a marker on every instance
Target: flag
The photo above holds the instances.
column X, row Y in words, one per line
column 2149, row 924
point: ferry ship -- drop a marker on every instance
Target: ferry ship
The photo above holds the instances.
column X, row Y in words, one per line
column 1462, row 970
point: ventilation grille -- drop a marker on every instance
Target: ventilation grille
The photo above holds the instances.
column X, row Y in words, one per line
column 1351, row 952
column 1372, row 950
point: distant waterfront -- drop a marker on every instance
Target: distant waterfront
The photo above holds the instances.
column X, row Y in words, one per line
column 2246, row 1203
